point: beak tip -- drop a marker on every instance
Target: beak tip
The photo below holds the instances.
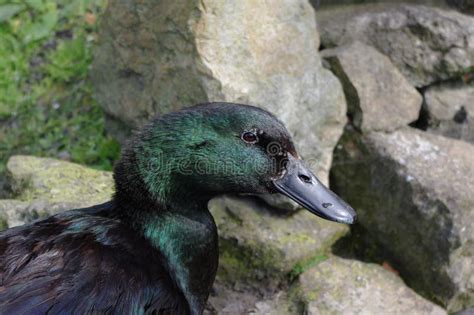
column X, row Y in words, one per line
column 352, row 219
column 351, row 216
column 347, row 216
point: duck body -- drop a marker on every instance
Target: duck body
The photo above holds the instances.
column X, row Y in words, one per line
column 87, row 261
column 153, row 248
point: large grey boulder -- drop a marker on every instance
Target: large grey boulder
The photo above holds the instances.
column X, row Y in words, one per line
column 159, row 56
column 413, row 193
column 343, row 286
column 450, row 110
column 427, row 44
column 378, row 96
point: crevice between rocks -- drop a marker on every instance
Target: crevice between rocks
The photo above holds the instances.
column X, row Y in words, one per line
column 425, row 119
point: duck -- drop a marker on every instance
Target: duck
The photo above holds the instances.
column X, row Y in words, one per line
column 153, row 248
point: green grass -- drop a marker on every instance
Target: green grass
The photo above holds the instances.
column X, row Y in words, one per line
column 46, row 103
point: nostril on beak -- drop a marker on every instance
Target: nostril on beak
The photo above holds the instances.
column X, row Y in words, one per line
column 305, row 178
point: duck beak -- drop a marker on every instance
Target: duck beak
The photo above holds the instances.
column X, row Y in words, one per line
column 301, row 185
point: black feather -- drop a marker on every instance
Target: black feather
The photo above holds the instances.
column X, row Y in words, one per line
column 83, row 262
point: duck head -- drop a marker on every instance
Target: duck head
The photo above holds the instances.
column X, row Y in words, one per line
column 217, row 148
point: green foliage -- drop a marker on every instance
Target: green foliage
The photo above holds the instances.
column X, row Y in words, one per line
column 61, row 69
column 46, row 103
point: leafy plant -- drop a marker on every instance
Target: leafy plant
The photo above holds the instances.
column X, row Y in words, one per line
column 46, row 103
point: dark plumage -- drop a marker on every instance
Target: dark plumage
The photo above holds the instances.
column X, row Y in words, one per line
column 80, row 262
column 153, row 248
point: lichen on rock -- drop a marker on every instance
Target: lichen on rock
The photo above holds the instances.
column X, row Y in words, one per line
column 345, row 286
column 258, row 244
column 379, row 98
column 427, row 44
column 58, row 181
column 413, row 193
column 44, row 186
column 449, row 110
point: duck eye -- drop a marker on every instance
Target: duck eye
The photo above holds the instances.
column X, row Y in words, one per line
column 249, row 137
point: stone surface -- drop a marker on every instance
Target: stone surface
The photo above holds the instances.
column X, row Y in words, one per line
column 427, row 44
column 413, row 193
column 14, row 212
column 280, row 202
column 44, row 186
column 245, row 300
column 159, row 56
column 450, row 110
column 323, row 3
column 9, row 213
column 58, row 181
column 464, row 6
column 342, row 286
column 379, row 98
column 260, row 245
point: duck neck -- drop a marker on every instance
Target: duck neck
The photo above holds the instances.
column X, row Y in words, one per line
column 189, row 244
column 170, row 215
column 186, row 237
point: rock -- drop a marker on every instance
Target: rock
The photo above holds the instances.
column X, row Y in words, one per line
column 280, row 202
column 324, row 3
column 257, row 244
column 468, row 311
column 427, row 44
column 343, row 286
column 413, row 194
column 4, row 187
column 58, row 181
column 378, row 96
column 8, row 211
column 230, row 301
column 15, row 212
column 259, row 250
column 464, row 6
column 159, row 56
column 44, row 186
column 278, row 305
column 450, row 110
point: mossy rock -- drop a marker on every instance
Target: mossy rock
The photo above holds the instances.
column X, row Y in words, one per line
column 16, row 212
column 259, row 244
column 344, row 286
column 227, row 299
column 413, row 195
column 58, row 181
